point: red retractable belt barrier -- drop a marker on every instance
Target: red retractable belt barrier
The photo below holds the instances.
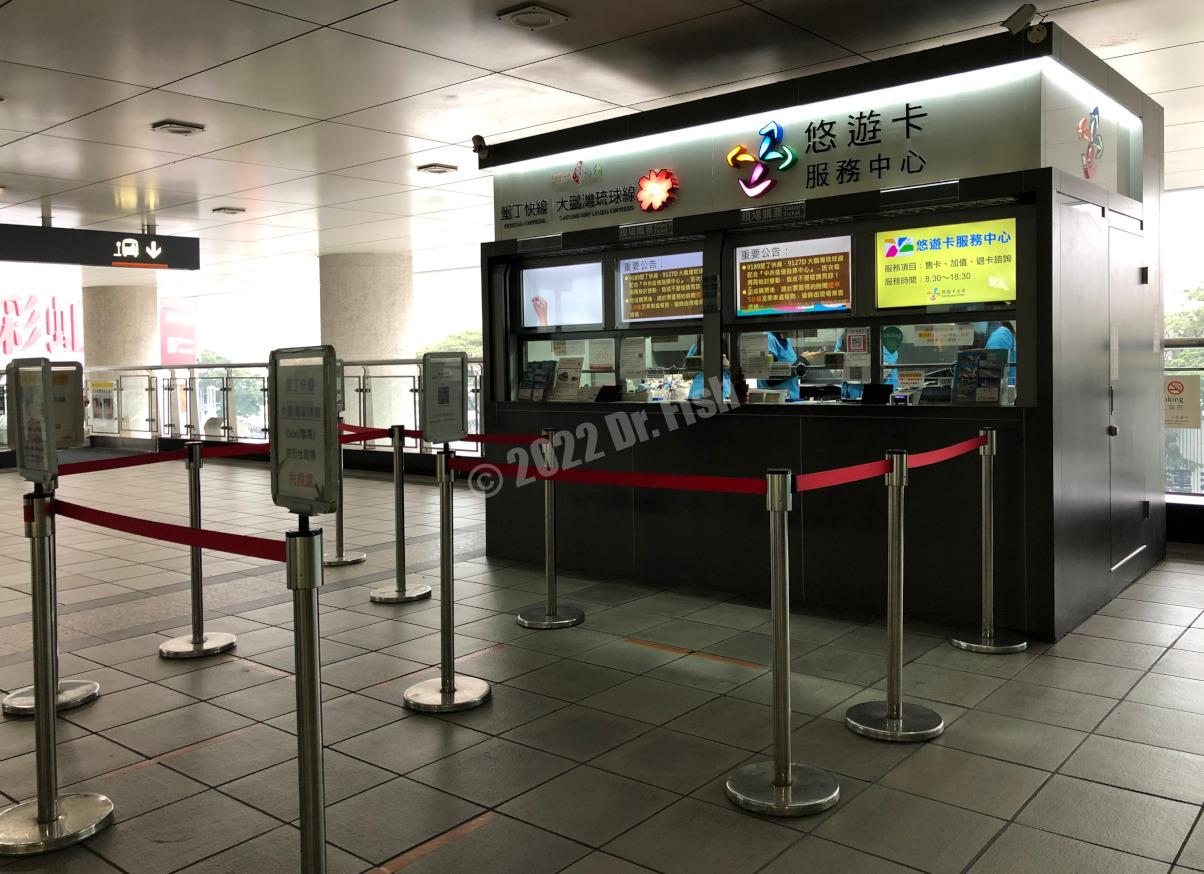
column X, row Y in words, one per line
column 239, row 544
column 364, row 434
column 823, row 479
column 233, row 450
column 935, row 456
column 122, row 461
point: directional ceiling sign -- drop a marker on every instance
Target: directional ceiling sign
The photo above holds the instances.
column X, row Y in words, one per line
column 98, row 248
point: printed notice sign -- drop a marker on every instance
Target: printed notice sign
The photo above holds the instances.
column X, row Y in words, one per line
column 304, row 430
column 633, row 358
column 568, row 380
column 31, row 419
column 662, row 287
column 972, row 262
column 103, row 396
column 1181, row 401
column 67, row 397
column 801, row 277
column 444, row 396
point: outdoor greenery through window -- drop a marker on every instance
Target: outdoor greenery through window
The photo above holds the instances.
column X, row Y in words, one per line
column 1183, row 302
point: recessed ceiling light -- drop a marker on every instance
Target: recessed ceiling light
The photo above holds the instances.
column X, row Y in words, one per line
column 228, row 210
column 532, row 17
column 436, row 167
column 179, row 128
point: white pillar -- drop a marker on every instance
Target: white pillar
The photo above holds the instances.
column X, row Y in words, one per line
column 366, row 304
column 121, row 325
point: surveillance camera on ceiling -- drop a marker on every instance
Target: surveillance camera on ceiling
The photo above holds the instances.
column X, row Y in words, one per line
column 479, row 146
column 1020, row 19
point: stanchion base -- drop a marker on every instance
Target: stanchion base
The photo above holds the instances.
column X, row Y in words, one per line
column 1001, row 641
column 183, row 648
column 72, row 694
column 334, row 559
column 401, row 596
column 810, row 791
column 80, row 817
column 428, row 696
column 918, row 723
column 538, row 617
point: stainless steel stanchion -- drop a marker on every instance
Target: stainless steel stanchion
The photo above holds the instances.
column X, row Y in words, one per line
column 199, row 643
column 304, row 569
column 550, row 614
column 402, row 592
column 341, row 558
column 892, row 719
column 781, row 787
column 50, row 821
column 987, row 638
column 449, row 691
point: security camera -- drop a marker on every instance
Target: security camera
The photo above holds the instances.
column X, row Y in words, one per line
column 1020, row 19
column 479, row 146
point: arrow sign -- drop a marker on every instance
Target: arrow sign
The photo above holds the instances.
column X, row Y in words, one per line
column 153, row 249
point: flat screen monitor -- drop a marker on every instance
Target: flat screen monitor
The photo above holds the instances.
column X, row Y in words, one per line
column 806, row 276
column 967, row 263
column 660, row 288
column 568, row 294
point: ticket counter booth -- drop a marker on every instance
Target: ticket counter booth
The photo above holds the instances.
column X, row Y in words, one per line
column 885, row 256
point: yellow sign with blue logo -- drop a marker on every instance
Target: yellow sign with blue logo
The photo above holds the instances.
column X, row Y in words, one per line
column 972, row 262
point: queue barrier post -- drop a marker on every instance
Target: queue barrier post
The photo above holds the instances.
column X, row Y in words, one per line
column 892, row 719
column 987, row 638
column 781, row 787
column 449, row 691
column 550, row 614
column 402, row 592
column 341, row 558
column 199, row 643
column 304, row 579
column 50, row 821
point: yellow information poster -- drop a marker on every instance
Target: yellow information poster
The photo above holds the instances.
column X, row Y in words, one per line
column 972, row 262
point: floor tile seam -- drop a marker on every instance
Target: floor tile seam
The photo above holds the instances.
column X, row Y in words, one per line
column 1194, row 825
column 1095, row 843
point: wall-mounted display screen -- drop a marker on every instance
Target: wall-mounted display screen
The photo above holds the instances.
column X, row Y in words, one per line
column 972, row 262
column 661, row 287
column 801, row 277
column 568, row 294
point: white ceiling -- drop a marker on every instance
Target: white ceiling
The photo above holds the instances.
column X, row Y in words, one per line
column 318, row 112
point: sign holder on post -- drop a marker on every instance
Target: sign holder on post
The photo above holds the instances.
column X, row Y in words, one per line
column 403, row 591
column 198, row 643
column 893, row 719
column 987, row 638
column 306, row 478
column 50, row 821
column 781, row 787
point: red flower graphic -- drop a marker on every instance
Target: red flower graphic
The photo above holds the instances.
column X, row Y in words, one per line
column 656, row 190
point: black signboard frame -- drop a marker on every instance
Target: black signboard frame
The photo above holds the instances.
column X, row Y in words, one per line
column 98, row 248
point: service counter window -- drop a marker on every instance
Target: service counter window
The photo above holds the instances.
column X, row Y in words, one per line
column 951, row 363
column 664, row 367
column 565, row 370
column 804, row 364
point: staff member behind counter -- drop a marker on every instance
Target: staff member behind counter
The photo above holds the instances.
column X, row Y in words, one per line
column 781, row 351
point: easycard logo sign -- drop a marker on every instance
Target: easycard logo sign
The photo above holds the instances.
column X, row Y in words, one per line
column 895, row 247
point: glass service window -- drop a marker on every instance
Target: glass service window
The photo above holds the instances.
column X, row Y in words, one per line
column 952, row 362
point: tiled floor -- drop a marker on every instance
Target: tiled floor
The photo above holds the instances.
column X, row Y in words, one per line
column 606, row 746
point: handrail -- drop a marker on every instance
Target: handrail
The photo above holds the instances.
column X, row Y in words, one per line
column 374, row 362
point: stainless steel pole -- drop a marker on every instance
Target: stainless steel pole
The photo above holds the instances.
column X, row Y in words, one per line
column 987, row 638
column 550, row 614
column 402, row 592
column 449, row 691
column 199, row 643
column 339, row 558
column 49, row 821
column 893, row 719
column 781, row 787
column 304, row 575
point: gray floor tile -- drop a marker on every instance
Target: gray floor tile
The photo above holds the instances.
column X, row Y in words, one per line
column 366, row 670
column 1079, row 676
column 426, row 649
column 277, row 852
column 1192, row 855
column 1158, row 726
column 432, row 616
column 732, row 721
column 1132, row 630
column 117, row 708
column 416, row 814
column 693, row 837
column 234, row 755
column 916, row 831
column 498, row 845
column 614, row 594
column 222, row 679
column 169, row 838
column 1181, row 663
column 1143, row 768
column 78, row 760
column 1046, row 704
column 648, row 700
column 810, row 695
column 686, row 634
column 579, row 733
column 495, row 629
column 671, row 760
column 1148, row 611
column 966, row 780
column 342, row 621
column 263, row 640
column 945, row 685
column 330, row 652
column 74, row 860
column 604, row 863
column 709, row 672
column 109, row 679
column 589, row 805
column 1013, row 740
column 1192, row 639
column 1164, row 595
column 675, row 602
column 845, row 665
column 411, row 743
column 501, row 662
column 506, row 708
column 345, row 716
column 1004, row 666
column 154, row 667
column 1022, row 849
column 818, row 630
column 268, row 700
column 827, row 744
column 732, row 615
column 1119, row 653
column 570, row 680
column 491, row 772
column 1116, row 818
column 753, row 646
column 1178, row 693
column 274, row 790
column 123, row 650
column 176, row 728
column 622, row 621
column 17, row 736
column 630, row 655
column 816, row 854
column 139, row 788
column 565, row 641
column 872, row 639
column 381, row 634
